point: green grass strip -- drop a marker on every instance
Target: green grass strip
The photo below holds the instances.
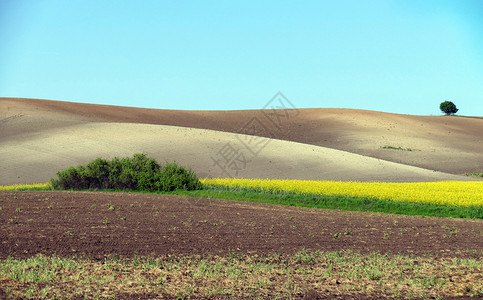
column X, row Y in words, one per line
column 339, row 202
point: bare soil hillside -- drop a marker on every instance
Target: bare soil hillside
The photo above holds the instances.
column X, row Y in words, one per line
column 446, row 144
column 36, row 157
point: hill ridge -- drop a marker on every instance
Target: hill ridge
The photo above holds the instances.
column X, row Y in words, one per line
column 445, row 144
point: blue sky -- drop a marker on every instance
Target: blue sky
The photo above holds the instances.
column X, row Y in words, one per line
column 396, row 56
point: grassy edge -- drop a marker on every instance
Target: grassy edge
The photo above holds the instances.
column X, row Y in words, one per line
column 335, row 272
column 319, row 201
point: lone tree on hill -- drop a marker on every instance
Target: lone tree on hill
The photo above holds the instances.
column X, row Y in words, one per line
column 448, row 107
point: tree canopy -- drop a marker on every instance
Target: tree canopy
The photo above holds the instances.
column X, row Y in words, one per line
column 448, row 107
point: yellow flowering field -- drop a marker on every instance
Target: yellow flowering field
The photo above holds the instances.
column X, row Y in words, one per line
column 24, row 186
column 452, row 193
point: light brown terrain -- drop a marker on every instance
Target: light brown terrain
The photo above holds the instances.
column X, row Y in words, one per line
column 40, row 137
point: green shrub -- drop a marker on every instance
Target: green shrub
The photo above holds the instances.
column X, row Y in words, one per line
column 174, row 177
column 475, row 174
column 139, row 173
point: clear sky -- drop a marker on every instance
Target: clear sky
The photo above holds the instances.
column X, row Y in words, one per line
column 402, row 56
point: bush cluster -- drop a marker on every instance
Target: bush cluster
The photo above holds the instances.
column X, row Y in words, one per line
column 139, row 173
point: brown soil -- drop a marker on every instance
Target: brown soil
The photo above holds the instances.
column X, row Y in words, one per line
column 100, row 224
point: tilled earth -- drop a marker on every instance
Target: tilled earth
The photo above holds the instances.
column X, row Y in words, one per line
column 101, row 224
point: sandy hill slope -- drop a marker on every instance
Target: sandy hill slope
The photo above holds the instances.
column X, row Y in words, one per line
column 39, row 137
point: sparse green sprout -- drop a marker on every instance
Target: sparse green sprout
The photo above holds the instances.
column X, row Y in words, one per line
column 374, row 274
column 110, row 206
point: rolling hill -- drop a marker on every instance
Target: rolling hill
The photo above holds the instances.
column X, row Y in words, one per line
column 40, row 137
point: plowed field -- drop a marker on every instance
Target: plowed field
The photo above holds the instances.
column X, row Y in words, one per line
column 100, row 224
